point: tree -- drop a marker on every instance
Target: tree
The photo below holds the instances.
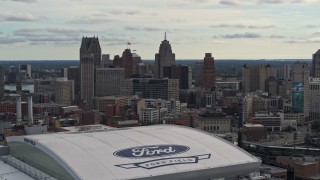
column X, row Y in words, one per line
column 289, row 128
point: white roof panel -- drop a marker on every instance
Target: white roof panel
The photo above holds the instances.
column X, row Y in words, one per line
column 141, row 152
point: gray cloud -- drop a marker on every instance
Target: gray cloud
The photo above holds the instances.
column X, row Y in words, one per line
column 312, row 26
column 150, row 29
column 90, row 20
column 132, row 28
column 228, row 26
column 276, row 36
column 40, row 32
column 31, row 32
column 246, row 35
column 261, row 27
column 187, row 2
column 36, row 36
column 124, row 12
column 293, row 41
column 20, row 17
column 279, row 1
column 238, row 2
column 25, row 1
column 228, row 2
column 242, row 26
column 67, row 31
column 11, row 40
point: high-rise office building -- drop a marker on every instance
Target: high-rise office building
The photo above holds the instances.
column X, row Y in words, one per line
column 154, row 88
column 127, row 62
column 314, row 87
column 26, row 69
column 165, row 57
column 183, row 73
column 300, row 88
column 90, row 57
column 285, row 72
column 43, row 85
column 105, row 61
column 109, row 81
column 72, row 73
column 1, row 81
column 209, row 78
column 254, row 77
column 315, row 72
column 136, row 61
column 197, row 70
column 271, row 86
column 64, row 91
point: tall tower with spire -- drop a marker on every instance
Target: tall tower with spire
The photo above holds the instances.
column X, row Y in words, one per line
column 90, row 57
column 165, row 57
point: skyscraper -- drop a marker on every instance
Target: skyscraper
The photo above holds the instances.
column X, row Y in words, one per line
column 27, row 70
column 300, row 88
column 90, row 57
column 64, row 91
column 183, row 73
column 127, row 62
column 109, row 81
column 165, row 57
column 1, row 81
column 314, row 87
column 254, row 77
column 208, row 71
column 315, row 72
column 73, row 74
column 136, row 61
column 154, row 88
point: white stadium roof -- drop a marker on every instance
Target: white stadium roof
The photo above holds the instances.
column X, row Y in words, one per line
column 158, row 152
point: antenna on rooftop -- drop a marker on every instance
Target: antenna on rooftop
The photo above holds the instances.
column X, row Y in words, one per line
column 165, row 35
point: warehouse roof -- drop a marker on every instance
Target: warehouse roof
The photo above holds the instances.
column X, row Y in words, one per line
column 164, row 151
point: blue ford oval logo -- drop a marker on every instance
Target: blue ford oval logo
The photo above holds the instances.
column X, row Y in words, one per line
column 151, row 151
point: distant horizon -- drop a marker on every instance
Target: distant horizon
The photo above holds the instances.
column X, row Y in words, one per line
column 276, row 59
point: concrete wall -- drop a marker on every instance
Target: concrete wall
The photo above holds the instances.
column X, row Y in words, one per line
column 4, row 150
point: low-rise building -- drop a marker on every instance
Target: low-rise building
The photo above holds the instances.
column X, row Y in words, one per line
column 298, row 117
column 213, row 122
column 272, row 121
column 101, row 103
column 149, row 116
column 47, row 109
column 254, row 132
column 305, row 167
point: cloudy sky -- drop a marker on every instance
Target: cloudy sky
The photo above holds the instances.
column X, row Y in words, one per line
column 230, row 29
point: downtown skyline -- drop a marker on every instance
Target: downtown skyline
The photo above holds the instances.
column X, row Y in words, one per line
column 231, row 29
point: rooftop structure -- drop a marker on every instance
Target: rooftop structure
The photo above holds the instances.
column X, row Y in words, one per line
column 153, row 152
